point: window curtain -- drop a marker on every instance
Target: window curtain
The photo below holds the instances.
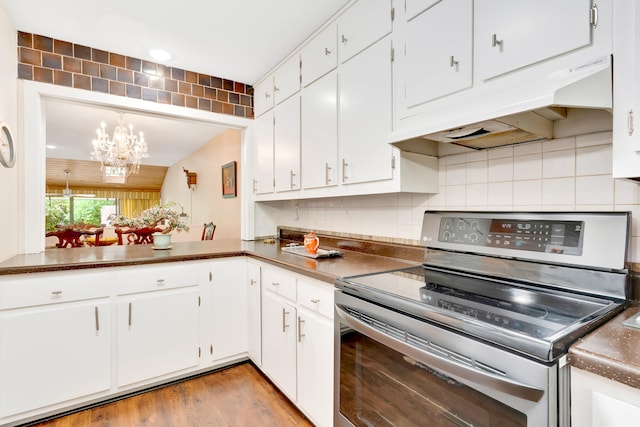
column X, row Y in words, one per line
column 131, row 203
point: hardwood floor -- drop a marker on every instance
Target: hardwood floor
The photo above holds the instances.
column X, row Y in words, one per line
column 237, row 396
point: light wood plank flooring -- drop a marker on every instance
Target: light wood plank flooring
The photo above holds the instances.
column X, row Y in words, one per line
column 237, row 396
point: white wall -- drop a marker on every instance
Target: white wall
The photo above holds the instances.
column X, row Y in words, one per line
column 205, row 203
column 8, row 114
column 566, row 174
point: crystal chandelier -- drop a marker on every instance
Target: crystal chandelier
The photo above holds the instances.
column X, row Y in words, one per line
column 119, row 156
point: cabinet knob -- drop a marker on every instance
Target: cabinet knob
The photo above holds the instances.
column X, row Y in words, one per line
column 252, row 282
column 56, row 293
column 315, row 300
column 160, row 282
column 453, row 62
column 343, row 39
column 327, row 52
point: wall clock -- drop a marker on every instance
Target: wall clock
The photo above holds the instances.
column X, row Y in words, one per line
column 7, row 148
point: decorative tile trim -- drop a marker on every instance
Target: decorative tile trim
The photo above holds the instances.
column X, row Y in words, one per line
column 47, row 60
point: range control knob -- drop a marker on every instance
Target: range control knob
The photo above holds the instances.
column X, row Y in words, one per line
column 473, row 237
column 446, row 235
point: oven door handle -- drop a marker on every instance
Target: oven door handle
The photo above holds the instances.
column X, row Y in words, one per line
column 444, row 365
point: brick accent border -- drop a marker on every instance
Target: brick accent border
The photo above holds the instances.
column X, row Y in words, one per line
column 47, row 60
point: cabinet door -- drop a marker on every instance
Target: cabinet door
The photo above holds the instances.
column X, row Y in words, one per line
column 364, row 123
column 414, row 7
column 513, row 34
column 319, row 138
column 263, row 96
column 315, row 368
column 229, row 308
column 364, row 23
column 286, row 79
column 254, row 320
column 436, row 61
column 279, row 343
column 319, row 56
column 263, row 134
column 287, row 145
column 54, row 353
column 158, row 334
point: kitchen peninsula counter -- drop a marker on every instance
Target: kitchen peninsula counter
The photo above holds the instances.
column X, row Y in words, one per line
column 325, row 269
column 611, row 351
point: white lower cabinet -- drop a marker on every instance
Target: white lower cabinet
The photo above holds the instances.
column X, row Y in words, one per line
column 228, row 309
column 600, row 402
column 254, row 313
column 297, row 341
column 158, row 334
column 55, row 341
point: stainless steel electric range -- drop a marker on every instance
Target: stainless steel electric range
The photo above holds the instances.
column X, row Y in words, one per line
column 477, row 335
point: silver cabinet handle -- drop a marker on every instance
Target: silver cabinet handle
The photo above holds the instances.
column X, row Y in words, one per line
column 447, row 366
column 327, row 178
column 344, row 170
column 495, row 42
column 275, row 283
column 97, row 319
column 276, row 89
column 630, row 122
column 291, row 175
column 160, row 282
column 315, row 300
column 300, row 334
column 255, row 186
column 593, row 16
column 453, row 62
column 284, row 320
column 252, row 282
column 130, row 304
column 56, row 293
column 267, row 95
column 327, row 52
column 343, row 39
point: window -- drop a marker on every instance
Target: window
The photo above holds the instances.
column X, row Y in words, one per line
column 70, row 210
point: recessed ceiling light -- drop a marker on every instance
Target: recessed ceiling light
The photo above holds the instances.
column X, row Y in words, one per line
column 160, row 55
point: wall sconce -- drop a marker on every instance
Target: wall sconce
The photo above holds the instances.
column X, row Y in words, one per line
column 192, row 177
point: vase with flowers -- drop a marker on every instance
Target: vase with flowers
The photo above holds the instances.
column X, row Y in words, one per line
column 160, row 220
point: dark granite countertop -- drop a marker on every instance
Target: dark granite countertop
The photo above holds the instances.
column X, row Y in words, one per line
column 326, row 269
column 611, row 351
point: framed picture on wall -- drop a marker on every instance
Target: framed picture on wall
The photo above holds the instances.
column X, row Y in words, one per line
column 229, row 180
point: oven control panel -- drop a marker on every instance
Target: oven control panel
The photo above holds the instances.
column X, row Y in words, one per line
column 551, row 236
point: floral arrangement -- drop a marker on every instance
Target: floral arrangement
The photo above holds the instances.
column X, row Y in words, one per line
column 165, row 217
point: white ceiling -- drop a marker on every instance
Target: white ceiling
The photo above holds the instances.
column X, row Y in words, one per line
column 242, row 41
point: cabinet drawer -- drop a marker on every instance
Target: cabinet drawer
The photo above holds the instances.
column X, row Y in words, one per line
column 318, row 298
column 154, row 277
column 51, row 288
column 279, row 282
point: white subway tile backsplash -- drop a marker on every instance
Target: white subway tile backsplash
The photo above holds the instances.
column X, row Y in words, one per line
column 497, row 153
column 590, row 139
column 476, row 156
column 559, row 144
column 558, row 191
column 476, row 172
column 500, row 194
column 500, row 169
column 594, row 190
column 625, row 192
column 456, row 159
column 456, row 174
column 557, row 164
column 527, row 167
column 528, row 148
column 456, row 196
column 527, row 193
column 476, row 195
column 594, row 160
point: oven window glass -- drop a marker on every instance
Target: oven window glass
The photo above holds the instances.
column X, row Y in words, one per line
column 381, row 387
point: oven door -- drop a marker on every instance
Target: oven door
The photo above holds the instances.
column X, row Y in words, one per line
column 394, row 370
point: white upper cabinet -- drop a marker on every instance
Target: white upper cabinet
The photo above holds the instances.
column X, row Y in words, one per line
column 286, row 79
column 320, row 133
column 435, row 61
column 364, row 23
column 365, row 116
column 626, row 102
column 263, row 154
column 319, row 56
column 263, row 96
column 414, row 7
column 287, row 145
column 513, row 34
